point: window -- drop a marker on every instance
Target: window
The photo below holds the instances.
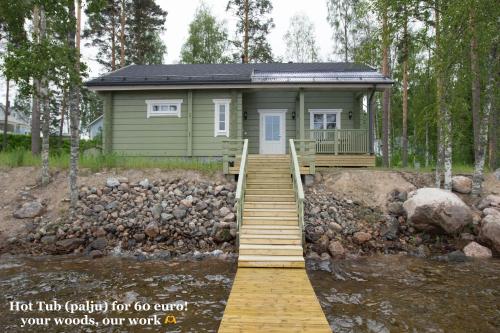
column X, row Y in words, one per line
column 221, row 117
column 325, row 119
column 167, row 107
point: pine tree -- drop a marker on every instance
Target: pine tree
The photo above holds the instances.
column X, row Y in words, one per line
column 253, row 26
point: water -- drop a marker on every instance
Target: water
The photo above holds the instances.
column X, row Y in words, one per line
column 372, row 295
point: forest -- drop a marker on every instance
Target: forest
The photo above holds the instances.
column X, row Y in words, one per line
column 442, row 54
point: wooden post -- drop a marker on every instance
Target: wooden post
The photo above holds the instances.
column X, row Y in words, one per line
column 371, row 116
column 108, row 125
column 190, row 124
column 301, row 119
column 238, row 105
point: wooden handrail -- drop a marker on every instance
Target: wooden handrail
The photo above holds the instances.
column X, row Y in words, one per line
column 240, row 188
column 297, row 186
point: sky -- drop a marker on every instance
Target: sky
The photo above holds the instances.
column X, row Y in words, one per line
column 181, row 13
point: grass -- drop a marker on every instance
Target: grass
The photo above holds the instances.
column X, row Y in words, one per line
column 18, row 158
column 456, row 169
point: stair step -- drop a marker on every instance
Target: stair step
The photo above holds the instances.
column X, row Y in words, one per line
column 273, row 181
column 271, row 261
column 271, row 220
column 268, row 191
column 294, row 232
column 270, row 175
column 271, row 205
column 253, row 186
column 248, row 212
column 273, row 250
column 270, row 227
column 269, row 198
column 276, row 241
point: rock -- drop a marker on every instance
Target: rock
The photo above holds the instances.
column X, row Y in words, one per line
column 396, row 208
column 490, row 231
column 476, row 250
column 224, row 211
column 144, row 183
column 140, row 237
column 229, row 218
column 321, row 246
column 69, row 245
column 48, row 240
column 390, row 229
column 166, row 217
column 201, row 205
column 156, row 211
column 99, row 244
column 456, row 256
column 361, row 237
column 461, row 184
column 491, row 211
column 223, row 235
column 490, row 200
column 122, row 180
column 218, row 189
column 336, row 249
column 112, row 182
column 98, row 208
column 433, row 209
column 152, row 230
column 335, row 227
column 100, row 232
column 188, row 202
column 179, row 213
column 30, row 210
column 497, row 174
column 94, row 254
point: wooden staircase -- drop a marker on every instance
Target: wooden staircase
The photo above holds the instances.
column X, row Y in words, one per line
column 270, row 235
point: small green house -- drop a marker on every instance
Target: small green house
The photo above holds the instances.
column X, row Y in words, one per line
column 194, row 110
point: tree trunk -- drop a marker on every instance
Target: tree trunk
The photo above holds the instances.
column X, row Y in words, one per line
column 476, row 84
column 346, row 43
column 405, row 91
column 35, row 106
column 63, row 112
column 477, row 178
column 386, row 103
column 245, row 37
column 493, row 137
column 439, row 93
column 122, row 34
column 6, row 116
column 44, row 97
column 113, row 38
column 75, row 109
column 426, row 144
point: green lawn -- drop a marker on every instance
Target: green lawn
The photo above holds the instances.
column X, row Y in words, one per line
column 20, row 158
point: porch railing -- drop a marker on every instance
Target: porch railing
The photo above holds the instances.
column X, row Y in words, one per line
column 306, row 153
column 240, row 188
column 231, row 150
column 297, row 186
column 340, row 141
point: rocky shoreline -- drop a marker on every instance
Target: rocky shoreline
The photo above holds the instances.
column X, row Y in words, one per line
column 180, row 216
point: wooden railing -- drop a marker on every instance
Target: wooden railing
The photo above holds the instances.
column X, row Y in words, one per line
column 240, row 188
column 306, row 153
column 231, row 151
column 297, row 186
column 340, row 141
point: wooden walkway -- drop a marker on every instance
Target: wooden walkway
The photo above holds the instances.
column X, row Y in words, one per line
column 271, row 290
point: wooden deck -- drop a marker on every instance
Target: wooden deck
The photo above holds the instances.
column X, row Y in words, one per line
column 328, row 161
column 273, row 300
column 271, row 291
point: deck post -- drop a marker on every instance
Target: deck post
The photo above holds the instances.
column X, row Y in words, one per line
column 238, row 104
column 108, row 126
column 190, row 124
column 301, row 115
column 371, row 121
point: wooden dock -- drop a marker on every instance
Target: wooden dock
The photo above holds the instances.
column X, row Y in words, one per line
column 271, row 290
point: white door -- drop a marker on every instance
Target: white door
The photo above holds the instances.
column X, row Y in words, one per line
column 272, row 132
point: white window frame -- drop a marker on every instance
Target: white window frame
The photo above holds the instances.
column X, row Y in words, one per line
column 217, row 104
column 151, row 102
column 312, row 112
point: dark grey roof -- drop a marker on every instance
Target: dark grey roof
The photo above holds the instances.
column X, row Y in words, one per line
column 189, row 74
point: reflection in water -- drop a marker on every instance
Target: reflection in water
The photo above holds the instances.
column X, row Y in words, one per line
column 403, row 294
column 372, row 295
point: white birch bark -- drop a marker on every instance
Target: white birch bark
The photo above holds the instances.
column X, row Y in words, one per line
column 44, row 97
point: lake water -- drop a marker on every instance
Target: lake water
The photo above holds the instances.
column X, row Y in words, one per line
column 374, row 294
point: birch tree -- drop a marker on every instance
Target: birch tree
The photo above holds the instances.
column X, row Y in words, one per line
column 300, row 40
column 44, row 98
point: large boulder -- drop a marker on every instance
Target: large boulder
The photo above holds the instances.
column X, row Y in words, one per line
column 475, row 250
column 461, row 184
column 433, row 209
column 29, row 210
column 490, row 231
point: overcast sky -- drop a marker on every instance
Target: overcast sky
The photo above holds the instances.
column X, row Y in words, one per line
column 181, row 13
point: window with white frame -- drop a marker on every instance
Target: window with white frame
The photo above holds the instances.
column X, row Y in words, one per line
column 164, row 107
column 325, row 119
column 221, row 127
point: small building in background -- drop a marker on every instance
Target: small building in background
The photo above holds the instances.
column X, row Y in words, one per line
column 95, row 128
column 17, row 122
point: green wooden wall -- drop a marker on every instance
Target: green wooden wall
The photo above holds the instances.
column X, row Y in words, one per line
column 128, row 131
